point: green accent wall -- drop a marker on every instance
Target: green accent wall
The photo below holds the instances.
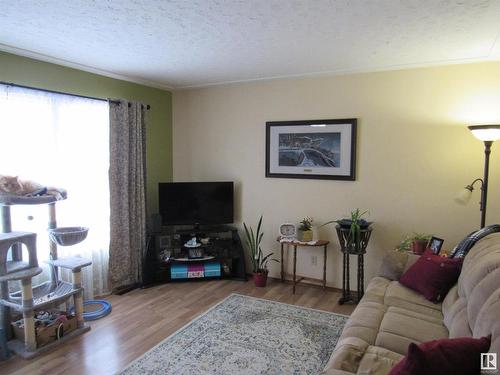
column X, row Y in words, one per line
column 39, row 74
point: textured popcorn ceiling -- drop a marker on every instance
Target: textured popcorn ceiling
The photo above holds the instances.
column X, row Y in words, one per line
column 182, row 43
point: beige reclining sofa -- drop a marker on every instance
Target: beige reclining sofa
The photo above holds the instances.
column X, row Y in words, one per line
column 390, row 316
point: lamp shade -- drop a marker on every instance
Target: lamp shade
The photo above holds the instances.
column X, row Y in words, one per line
column 464, row 196
column 486, row 132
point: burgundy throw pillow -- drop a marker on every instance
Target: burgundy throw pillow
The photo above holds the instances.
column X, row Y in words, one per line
column 432, row 275
column 459, row 356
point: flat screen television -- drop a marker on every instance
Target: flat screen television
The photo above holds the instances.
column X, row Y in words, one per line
column 196, row 203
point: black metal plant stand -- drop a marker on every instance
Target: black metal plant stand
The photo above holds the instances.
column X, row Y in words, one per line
column 349, row 247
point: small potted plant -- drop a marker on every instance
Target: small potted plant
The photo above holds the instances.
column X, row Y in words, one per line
column 259, row 261
column 305, row 229
column 415, row 243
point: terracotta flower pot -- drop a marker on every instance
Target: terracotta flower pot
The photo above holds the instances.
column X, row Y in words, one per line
column 260, row 279
column 418, row 246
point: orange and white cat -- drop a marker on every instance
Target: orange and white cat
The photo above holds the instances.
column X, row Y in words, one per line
column 13, row 185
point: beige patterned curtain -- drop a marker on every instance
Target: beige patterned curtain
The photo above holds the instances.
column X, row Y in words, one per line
column 127, row 183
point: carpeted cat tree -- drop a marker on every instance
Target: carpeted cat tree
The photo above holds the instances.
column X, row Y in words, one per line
column 44, row 296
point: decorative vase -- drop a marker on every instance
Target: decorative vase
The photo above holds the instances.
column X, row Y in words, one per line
column 260, row 279
column 305, row 235
column 418, row 246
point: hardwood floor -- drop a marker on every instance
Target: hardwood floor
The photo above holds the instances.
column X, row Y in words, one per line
column 144, row 317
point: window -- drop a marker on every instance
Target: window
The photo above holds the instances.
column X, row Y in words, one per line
column 63, row 141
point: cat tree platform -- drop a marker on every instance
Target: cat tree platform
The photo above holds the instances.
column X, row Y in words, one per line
column 44, row 296
column 74, row 264
column 9, row 200
column 20, row 275
column 18, row 346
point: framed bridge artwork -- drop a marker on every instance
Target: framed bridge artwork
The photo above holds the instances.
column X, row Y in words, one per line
column 318, row 149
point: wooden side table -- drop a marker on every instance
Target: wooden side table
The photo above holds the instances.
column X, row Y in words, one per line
column 295, row 244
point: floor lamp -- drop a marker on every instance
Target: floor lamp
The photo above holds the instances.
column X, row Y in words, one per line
column 488, row 134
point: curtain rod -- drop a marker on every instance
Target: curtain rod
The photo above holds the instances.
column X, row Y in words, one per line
column 64, row 93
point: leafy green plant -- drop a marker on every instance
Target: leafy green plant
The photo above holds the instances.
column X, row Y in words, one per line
column 253, row 241
column 306, row 223
column 355, row 229
column 355, row 223
column 421, row 237
column 405, row 244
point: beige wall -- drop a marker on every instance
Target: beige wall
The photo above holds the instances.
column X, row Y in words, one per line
column 414, row 152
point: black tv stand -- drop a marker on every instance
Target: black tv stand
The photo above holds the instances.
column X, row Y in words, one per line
column 166, row 248
column 200, row 229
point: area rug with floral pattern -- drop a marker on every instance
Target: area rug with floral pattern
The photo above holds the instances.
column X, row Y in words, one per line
column 246, row 335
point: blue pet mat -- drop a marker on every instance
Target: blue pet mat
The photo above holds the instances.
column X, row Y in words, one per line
column 102, row 309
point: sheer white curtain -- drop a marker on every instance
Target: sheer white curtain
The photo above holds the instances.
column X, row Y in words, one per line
column 63, row 141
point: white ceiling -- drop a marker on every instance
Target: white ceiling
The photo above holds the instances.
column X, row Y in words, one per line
column 185, row 43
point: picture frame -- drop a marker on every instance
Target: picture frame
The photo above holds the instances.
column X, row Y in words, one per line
column 435, row 244
column 311, row 149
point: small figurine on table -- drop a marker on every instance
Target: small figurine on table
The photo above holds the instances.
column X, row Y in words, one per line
column 192, row 243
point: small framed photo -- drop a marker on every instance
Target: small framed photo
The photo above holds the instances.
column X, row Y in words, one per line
column 435, row 244
column 318, row 149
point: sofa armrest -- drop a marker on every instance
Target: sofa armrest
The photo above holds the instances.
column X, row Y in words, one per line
column 395, row 263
